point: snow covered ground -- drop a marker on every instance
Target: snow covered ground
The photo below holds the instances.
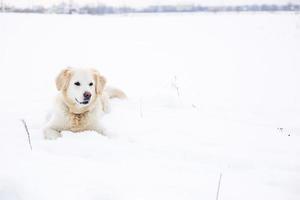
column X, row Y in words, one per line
column 208, row 95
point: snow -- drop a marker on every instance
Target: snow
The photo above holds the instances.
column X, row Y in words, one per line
column 237, row 80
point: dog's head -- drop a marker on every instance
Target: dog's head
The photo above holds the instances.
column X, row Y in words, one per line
column 80, row 87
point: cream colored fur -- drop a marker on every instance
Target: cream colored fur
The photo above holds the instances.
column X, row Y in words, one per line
column 68, row 116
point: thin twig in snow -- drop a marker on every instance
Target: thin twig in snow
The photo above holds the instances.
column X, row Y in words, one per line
column 28, row 134
column 177, row 89
column 176, row 86
column 219, row 185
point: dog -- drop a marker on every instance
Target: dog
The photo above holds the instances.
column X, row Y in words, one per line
column 82, row 99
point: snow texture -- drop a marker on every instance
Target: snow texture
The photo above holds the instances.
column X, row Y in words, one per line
column 208, row 95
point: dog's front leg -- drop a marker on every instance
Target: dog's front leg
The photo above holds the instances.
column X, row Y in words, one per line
column 51, row 134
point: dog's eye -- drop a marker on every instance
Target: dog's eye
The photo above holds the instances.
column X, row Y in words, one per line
column 91, row 84
column 77, row 83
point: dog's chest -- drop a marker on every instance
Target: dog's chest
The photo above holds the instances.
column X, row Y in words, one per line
column 79, row 122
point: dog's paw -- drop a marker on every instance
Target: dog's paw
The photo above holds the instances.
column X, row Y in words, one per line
column 101, row 130
column 50, row 134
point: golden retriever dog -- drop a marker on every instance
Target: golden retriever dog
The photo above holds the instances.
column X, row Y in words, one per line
column 82, row 99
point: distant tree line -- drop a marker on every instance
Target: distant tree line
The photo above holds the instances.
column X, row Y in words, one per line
column 64, row 8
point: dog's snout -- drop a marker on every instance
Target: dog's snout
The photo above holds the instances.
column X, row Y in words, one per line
column 87, row 95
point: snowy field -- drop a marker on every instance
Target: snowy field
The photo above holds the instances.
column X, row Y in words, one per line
column 208, row 95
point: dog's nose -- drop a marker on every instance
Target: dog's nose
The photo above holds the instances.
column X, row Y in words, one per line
column 87, row 95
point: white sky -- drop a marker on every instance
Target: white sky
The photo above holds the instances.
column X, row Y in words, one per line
column 142, row 3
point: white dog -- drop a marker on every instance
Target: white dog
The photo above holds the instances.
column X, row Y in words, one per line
column 82, row 99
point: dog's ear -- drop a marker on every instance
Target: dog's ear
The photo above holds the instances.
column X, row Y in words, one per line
column 63, row 79
column 100, row 81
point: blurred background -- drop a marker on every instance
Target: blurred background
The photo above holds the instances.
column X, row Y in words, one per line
column 146, row 6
